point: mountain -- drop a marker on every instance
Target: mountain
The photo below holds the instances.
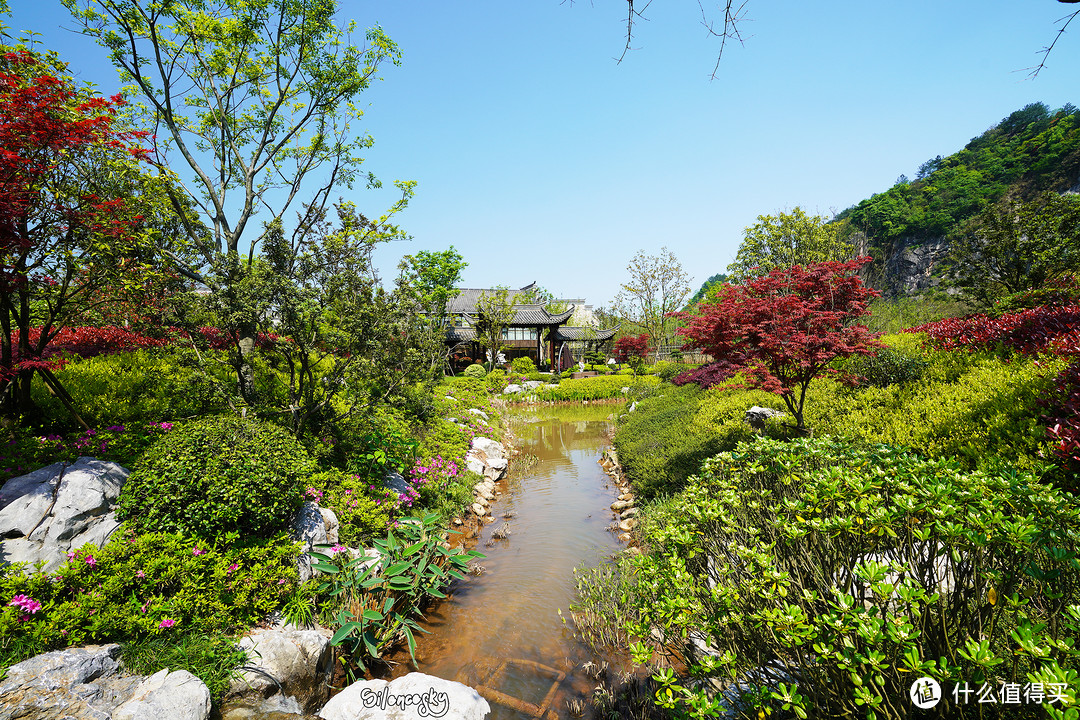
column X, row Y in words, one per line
column 909, row 227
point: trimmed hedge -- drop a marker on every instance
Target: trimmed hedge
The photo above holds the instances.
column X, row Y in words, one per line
column 217, row 475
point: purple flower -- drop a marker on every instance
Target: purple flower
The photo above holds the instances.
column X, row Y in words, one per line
column 231, row 568
column 25, row 603
column 197, row 551
column 90, row 560
column 115, row 428
column 167, row 623
column 165, row 426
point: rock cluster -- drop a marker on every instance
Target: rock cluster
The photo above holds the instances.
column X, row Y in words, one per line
column 486, row 458
column 624, row 506
column 59, row 508
column 86, row 684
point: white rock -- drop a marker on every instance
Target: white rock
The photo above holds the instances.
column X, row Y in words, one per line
column 479, row 413
column 285, row 659
column 415, row 696
column 478, row 510
column 492, row 448
column 167, row 696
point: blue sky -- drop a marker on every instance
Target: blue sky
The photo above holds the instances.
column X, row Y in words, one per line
column 540, row 158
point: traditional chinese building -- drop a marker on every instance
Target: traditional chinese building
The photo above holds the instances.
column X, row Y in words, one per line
column 533, row 332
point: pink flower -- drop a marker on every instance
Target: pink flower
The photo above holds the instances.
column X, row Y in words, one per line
column 140, row 574
column 165, row 426
column 167, row 623
column 337, row 548
column 25, row 603
column 71, row 555
column 281, row 581
column 90, row 560
column 231, row 568
column 197, row 551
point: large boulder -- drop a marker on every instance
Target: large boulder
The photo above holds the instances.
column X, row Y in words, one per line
column 59, row 508
column 85, row 683
column 167, row 695
column 415, row 696
column 286, row 660
column 757, row 417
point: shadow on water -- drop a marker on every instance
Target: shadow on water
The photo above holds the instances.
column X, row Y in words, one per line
column 502, row 629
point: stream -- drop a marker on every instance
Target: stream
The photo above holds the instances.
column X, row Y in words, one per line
column 502, row 628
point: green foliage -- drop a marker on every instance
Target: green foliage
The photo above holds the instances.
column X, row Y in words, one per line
column 213, row 659
column 890, row 366
column 373, row 604
column 854, row 570
column 974, row 407
column 1015, row 246
column 522, row 365
column 788, row 239
column 666, row 438
column 217, row 475
column 712, row 282
column 124, row 444
column 495, row 311
column 496, row 380
column 658, row 285
column 475, row 370
column 380, row 450
column 133, row 387
column 143, row 586
column 361, row 507
column 601, row 387
column 891, row 315
column 665, row 370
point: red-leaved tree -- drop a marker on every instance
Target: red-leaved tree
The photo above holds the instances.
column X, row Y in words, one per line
column 67, row 224
column 632, row 350
column 783, row 329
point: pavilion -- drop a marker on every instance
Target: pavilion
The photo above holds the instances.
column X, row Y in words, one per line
column 534, row 331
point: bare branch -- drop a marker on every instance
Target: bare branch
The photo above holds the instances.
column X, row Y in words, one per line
column 1061, row 31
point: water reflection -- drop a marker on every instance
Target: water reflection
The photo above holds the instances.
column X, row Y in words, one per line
column 511, row 612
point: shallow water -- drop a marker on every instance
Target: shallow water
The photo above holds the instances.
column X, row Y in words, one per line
column 511, row 611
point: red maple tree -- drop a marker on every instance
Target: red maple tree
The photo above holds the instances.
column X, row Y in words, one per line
column 66, row 224
column 783, row 329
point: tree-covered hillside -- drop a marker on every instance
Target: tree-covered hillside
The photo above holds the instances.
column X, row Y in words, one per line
column 1031, row 150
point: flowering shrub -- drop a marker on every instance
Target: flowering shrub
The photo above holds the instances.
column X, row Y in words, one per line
column 122, row 444
column 433, row 476
column 363, row 510
column 141, row 586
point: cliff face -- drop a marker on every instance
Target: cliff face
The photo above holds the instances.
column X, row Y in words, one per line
column 910, row 267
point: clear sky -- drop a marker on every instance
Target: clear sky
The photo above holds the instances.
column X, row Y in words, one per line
column 540, row 158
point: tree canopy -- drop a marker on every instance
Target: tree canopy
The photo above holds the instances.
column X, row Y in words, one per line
column 788, row 239
column 658, row 286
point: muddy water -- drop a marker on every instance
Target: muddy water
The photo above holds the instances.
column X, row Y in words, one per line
column 510, row 612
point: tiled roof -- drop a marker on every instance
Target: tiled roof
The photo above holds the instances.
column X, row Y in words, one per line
column 583, row 333
column 465, row 301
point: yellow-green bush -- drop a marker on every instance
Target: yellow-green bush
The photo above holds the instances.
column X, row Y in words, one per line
column 971, row 406
column 145, row 385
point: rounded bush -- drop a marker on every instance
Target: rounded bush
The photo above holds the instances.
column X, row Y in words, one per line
column 475, row 371
column 523, row 365
column 217, row 475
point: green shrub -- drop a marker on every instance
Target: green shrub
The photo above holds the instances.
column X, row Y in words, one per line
column 854, row 570
column 496, row 380
column 136, row 387
column 361, row 507
column 142, row 586
column 124, row 444
column 665, row 370
column 475, row 371
column 889, row 366
column 522, row 365
column 666, row 438
column 591, row 388
column 217, row 475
